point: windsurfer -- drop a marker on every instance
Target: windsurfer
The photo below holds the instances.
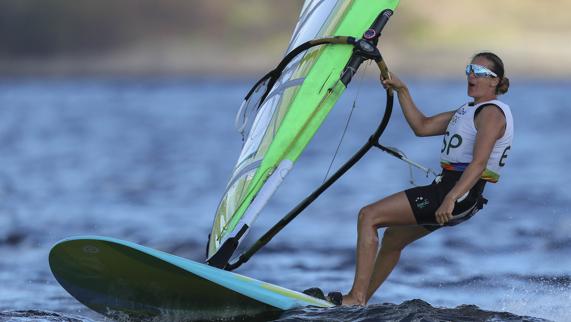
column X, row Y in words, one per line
column 477, row 139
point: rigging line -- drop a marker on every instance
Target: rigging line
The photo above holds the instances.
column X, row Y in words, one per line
column 348, row 120
column 411, row 163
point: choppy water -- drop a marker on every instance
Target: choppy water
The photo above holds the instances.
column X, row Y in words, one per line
column 147, row 161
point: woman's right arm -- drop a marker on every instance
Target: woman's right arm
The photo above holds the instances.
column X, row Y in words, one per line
column 419, row 123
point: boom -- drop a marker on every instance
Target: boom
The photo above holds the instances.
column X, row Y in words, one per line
column 295, row 99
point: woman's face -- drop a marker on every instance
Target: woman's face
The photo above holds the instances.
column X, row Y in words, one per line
column 482, row 88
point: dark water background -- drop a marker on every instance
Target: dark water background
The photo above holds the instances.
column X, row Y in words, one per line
column 146, row 160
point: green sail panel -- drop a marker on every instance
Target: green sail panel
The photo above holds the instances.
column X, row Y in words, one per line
column 293, row 111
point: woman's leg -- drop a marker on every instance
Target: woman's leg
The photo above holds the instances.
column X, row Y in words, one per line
column 393, row 210
column 394, row 240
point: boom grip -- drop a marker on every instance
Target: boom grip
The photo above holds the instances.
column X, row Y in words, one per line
column 385, row 74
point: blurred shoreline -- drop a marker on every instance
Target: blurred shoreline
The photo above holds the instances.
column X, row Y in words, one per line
column 247, row 38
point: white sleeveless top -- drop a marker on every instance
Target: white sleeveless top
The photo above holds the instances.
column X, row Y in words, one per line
column 460, row 137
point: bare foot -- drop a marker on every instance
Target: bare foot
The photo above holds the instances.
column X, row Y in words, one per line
column 350, row 300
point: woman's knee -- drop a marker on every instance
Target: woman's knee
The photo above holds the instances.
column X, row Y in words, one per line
column 367, row 217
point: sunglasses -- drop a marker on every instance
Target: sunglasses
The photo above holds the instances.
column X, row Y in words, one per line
column 479, row 71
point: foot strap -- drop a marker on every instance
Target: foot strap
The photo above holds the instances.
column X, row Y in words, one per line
column 334, row 297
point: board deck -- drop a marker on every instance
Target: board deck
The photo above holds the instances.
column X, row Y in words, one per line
column 121, row 279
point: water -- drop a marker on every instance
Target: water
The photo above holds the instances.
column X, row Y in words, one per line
column 147, row 161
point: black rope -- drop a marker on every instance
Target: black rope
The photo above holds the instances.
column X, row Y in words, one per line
column 275, row 74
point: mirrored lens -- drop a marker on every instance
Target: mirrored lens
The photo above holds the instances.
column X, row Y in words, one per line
column 479, row 71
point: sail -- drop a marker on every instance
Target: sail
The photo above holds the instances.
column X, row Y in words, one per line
column 291, row 113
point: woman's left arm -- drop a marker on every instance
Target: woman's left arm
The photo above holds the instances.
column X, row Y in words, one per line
column 490, row 124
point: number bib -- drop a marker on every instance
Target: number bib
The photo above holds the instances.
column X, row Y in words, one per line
column 458, row 141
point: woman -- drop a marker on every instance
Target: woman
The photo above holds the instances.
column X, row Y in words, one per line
column 477, row 138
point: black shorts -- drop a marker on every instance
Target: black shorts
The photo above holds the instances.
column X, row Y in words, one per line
column 425, row 200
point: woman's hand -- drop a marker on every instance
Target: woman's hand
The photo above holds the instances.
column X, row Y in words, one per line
column 444, row 212
column 393, row 83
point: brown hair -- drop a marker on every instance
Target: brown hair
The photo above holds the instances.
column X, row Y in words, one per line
column 498, row 68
